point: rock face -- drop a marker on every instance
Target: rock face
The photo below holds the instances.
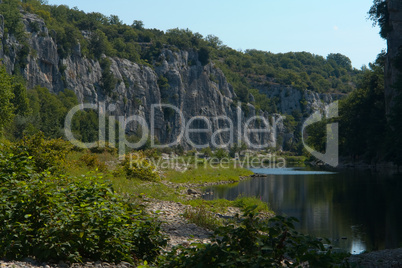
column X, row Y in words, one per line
column 201, row 96
column 291, row 99
column 394, row 41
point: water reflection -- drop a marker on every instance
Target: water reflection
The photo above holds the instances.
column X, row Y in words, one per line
column 356, row 210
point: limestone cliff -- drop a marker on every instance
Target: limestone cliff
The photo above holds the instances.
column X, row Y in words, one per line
column 195, row 89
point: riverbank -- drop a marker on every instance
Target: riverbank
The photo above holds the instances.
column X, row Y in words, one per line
column 174, row 198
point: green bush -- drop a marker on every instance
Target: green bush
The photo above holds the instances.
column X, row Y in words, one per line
column 73, row 219
column 138, row 166
column 253, row 243
column 221, row 153
column 92, row 161
column 47, row 154
column 103, row 147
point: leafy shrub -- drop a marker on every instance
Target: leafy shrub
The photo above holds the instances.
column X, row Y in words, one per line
column 46, row 154
column 254, row 243
column 247, row 201
column 92, row 161
column 14, row 167
column 136, row 165
column 221, row 153
column 103, row 147
column 207, row 151
column 152, row 153
column 74, row 219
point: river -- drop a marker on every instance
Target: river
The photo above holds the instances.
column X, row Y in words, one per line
column 357, row 210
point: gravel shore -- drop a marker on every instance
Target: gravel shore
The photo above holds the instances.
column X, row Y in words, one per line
column 383, row 258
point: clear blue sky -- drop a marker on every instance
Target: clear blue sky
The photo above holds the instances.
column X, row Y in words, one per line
column 317, row 26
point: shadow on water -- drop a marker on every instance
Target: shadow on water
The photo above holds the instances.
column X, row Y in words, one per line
column 357, row 210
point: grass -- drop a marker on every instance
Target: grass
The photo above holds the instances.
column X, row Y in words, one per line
column 73, row 166
column 221, row 205
column 204, row 174
column 156, row 190
column 202, row 217
column 137, row 188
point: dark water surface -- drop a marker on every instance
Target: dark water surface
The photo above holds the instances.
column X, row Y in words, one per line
column 356, row 210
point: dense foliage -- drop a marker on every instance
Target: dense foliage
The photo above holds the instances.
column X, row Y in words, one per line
column 27, row 112
column 367, row 132
column 63, row 218
column 363, row 125
column 362, row 116
column 379, row 15
column 6, row 93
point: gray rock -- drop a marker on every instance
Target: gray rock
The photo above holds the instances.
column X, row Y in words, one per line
column 190, row 191
column 191, row 90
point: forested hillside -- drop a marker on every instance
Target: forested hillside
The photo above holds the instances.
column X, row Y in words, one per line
column 370, row 117
column 98, row 34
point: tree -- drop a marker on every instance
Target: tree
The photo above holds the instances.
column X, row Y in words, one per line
column 138, row 24
column 48, row 112
column 99, row 44
column 362, row 116
column 115, row 20
column 213, row 41
column 6, row 96
column 340, row 60
column 12, row 18
column 108, row 80
column 203, row 55
column 20, row 100
column 380, row 16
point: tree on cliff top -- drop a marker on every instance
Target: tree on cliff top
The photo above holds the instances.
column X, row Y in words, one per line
column 378, row 13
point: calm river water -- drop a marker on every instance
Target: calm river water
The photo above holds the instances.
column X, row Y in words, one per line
column 356, row 210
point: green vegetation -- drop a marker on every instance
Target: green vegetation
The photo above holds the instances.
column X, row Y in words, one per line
column 362, row 115
column 87, row 217
column 367, row 132
column 206, row 173
column 138, row 167
column 256, row 242
column 68, row 218
column 380, row 16
column 6, row 92
column 221, row 205
column 362, row 120
column 202, row 217
column 12, row 19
